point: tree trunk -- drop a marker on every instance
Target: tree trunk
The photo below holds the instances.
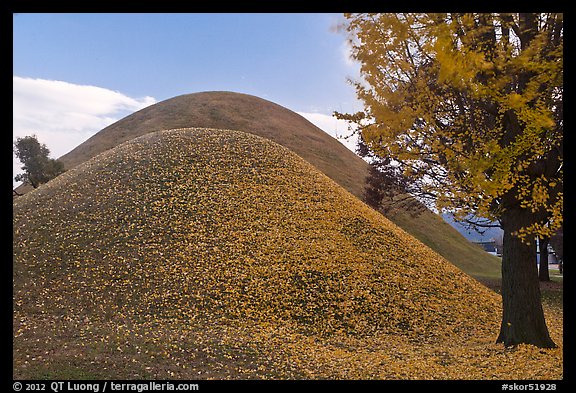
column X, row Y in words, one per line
column 522, row 314
column 543, row 272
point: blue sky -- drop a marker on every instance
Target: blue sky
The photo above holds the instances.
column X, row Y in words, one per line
column 76, row 73
column 293, row 58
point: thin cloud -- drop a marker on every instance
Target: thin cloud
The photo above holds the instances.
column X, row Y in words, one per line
column 346, row 52
column 62, row 115
column 334, row 127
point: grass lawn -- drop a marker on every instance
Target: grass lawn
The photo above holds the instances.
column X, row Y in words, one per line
column 552, row 291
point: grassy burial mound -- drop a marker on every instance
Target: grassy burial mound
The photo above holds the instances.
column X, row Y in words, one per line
column 228, row 110
column 200, row 253
column 234, row 111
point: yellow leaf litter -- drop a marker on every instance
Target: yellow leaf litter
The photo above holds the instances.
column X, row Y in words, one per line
column 203, row 253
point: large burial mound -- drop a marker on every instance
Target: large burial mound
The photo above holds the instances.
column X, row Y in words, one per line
column 227, row 110
column 234, row 111
column 201, row 253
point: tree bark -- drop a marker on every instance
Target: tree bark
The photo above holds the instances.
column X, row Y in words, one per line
column 522, row 314
column 543, row 271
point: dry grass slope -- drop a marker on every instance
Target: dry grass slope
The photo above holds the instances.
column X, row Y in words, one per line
column 202, row 253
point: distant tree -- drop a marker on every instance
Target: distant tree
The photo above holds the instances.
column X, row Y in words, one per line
column 374, row 190
column 469, row 106
column 384, row 191
column 498, row 243
column 543, row 268
column 557, row 242
column 38, row 167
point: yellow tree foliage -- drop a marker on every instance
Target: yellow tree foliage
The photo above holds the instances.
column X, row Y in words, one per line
column 470, row 107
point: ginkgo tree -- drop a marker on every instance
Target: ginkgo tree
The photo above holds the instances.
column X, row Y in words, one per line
column 469, row 107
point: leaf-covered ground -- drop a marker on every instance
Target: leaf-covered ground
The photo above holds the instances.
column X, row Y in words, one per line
column 199, row 253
